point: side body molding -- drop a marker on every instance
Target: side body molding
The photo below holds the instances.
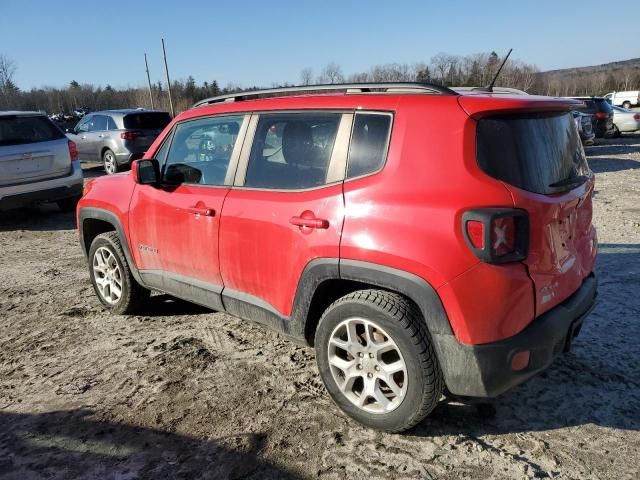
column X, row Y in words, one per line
column 315, row 273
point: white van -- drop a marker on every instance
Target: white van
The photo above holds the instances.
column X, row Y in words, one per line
column 626, row 99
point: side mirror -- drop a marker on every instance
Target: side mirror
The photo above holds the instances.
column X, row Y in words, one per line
column 146, row 172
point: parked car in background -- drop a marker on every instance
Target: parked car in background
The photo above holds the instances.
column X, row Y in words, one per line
column 38, row 163
column 628, row 99
column 601, row 113
column 300, row 211
column 625, row 121
column 585, row 127
column 116, row 137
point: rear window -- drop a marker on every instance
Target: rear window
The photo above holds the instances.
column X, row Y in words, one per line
column 540, row 153
column 18, row 130
column 147, row 120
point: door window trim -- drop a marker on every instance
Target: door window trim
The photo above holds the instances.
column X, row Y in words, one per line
column 337, row 164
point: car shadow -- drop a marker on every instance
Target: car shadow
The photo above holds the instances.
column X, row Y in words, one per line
column 596, row 383
column 163, row 305
column 46, row 217
column 77, row 443
column 606, row 164
column 92, row 169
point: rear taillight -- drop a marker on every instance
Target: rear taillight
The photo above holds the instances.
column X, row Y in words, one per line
column 636, row 116
column 497, row 235
column 73, row 150
column 601, row 115
column 129, row 135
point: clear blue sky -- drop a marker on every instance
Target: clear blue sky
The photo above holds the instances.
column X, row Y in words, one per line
column 248, row 42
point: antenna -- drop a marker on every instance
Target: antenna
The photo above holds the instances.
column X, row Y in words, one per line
column 495, row 77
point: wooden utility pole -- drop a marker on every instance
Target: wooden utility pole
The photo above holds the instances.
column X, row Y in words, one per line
column 148, row 80
column 166, row 71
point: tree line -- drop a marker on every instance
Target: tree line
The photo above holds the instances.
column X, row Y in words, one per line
column 443, row 68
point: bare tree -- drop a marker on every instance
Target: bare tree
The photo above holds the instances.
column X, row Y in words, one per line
column 331, row 73
column 7, row 70
column 306, row 76
column 8, row 89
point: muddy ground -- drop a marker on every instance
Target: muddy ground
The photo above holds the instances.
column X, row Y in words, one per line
column 182, row 392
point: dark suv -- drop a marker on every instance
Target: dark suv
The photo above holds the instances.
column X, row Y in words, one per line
column 418, row 238
column 601, row 115
column 117, row 137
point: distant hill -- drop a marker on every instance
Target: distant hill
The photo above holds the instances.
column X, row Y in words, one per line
column 592, row 80
column 632, row 63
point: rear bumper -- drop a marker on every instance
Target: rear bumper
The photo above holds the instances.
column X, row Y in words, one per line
column 23, row 195
column 126, row 158
column 485, row 370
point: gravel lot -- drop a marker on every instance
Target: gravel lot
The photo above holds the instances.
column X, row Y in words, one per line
column 182, row 392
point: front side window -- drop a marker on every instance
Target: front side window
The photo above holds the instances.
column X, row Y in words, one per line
column 201, row 151
column 83, row 125
column 292, row 151
column 369, row 142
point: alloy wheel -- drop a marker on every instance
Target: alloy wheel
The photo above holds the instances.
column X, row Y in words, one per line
column 107, row 275
column 367, row 366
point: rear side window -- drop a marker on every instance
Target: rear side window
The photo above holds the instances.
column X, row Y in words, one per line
column 540, row 153
column 369, row 143
column 147, row 120
column 18, row 130
column 111, row 124
column 292, row 151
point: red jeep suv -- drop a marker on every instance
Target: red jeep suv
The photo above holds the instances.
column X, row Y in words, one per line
column 422, row 240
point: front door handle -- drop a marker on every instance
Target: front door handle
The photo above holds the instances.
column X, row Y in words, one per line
column 309, row 220
column 205, row 212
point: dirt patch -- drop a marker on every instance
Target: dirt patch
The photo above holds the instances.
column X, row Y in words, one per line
column 182, row 392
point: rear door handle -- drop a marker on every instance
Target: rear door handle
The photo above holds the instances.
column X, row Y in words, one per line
column 206, row 212
column 309, row 222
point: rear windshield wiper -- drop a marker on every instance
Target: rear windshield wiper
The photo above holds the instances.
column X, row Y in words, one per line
column 580, row 179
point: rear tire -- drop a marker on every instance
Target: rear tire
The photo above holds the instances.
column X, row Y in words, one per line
column 111, row 277
column 377, row 361
column 110, row 163
column 616, row 132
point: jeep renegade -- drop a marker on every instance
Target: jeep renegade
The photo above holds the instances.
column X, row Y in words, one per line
column 422, row 240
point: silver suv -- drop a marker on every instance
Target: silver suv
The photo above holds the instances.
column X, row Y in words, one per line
column 117, row 137
column 37, row 162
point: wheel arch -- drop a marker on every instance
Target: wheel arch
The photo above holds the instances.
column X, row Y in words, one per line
column 325, row 280
column 94, row 221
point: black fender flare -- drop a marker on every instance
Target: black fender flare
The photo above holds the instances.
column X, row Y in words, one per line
column 414, row 287
column 87, row 213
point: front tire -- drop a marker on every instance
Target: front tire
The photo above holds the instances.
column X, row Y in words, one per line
column 111, row 277
column 377, row 361
column 110, row 163
column 627, row 105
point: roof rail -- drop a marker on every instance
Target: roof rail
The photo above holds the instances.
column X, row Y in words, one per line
column 387, row 87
